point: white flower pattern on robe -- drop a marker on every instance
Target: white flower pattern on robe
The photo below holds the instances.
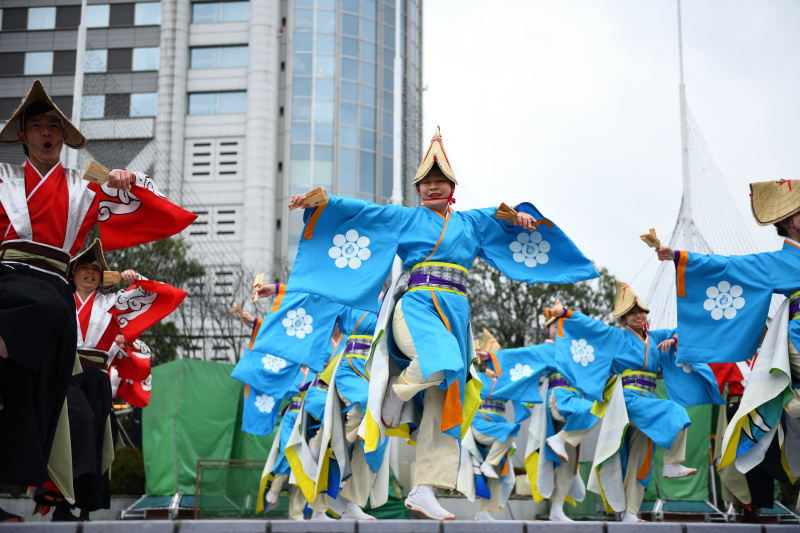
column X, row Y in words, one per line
column 265, row 403
column 529, row 248
column 273, row 362
column 723, row 300
column 298, row 323
column 520, row 371
column 349, row 250
column 582, row 352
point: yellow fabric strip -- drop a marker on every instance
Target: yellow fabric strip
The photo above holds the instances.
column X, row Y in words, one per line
column 631, row 387
column 262, row 489
column 305, row 483
column 599, row 409
column 427, row 288
column 630, row 372
column 440, row 264
column 359, row 337
column 532, row 469
column 372, row 433
column 472, row 402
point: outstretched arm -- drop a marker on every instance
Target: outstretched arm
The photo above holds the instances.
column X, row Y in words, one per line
column 665, row 253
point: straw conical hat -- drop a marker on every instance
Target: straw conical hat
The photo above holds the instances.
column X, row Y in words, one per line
column 435, row 155
column 488, row 342
column 92, row 253
column 773, row 201
column 37, row 94
column 626, row 299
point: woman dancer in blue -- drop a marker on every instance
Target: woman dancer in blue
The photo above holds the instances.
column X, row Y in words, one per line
column 430, row 325
column 588, row 351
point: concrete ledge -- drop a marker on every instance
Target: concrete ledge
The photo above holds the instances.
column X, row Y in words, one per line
column 652, row 527
column 471, row 526
column 217, row 526
column 399, row 526
column 723, row 528
column 567, row 527
column 129, row 526
column 30, row 527
column 312, row 526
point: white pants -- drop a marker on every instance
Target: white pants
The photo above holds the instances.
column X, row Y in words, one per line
column 438, row 454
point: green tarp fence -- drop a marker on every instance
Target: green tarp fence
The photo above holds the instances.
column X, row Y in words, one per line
column 195, row 412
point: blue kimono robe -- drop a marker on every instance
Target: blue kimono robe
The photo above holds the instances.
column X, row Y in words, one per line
column 346, row 253
column 724, row 301
column 588, row 351
column 532, row 361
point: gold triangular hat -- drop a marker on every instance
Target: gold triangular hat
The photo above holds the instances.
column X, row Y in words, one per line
column 488, row 342
column 773, row 201
column 435, row 155
column 95, row 253
column 8, row 135
column 626, row 299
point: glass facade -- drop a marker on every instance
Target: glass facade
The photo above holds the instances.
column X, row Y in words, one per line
column 342, row 101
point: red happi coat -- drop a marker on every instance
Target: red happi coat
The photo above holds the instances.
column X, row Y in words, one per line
column 60, row 208
column 129, row 312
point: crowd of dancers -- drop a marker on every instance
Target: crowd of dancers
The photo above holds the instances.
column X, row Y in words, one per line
column 370, row 339
column 402, row 362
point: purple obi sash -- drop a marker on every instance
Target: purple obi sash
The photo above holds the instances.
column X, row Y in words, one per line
column 439, row 276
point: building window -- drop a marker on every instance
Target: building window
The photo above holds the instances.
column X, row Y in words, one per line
column 144, row 104
column 38, row 62
column 97, row 16
column 147, row 14
column 68, row 17
column 93, row 106
column 95, row 61
column 220, row 11
column 217, row 103
column 145, row 58
column 219, row 56
column 41, row 18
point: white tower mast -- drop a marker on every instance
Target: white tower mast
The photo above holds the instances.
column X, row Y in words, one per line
column 686, row 211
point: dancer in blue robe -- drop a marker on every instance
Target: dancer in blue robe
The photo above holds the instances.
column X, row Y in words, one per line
column 588, row 351
column 724, row 301
column 346, row 252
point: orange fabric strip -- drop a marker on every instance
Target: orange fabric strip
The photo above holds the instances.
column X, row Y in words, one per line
column 255, row 332
column 681, row 274
column 247, row 391
column 644, row 471
column 357, row 323
column 335, row 348
column 308, row 233
column 505, row 465
column 646, row 352
column 485, row 417
column 441, row 314
column 278, row 298
column 453, row 412
column 791, row 244
column 560, row 332
column 496, row 364
column 356, row 371
column 494, row 382
column 446, row 220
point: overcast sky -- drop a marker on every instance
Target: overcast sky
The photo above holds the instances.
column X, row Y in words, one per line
column 573, row 106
